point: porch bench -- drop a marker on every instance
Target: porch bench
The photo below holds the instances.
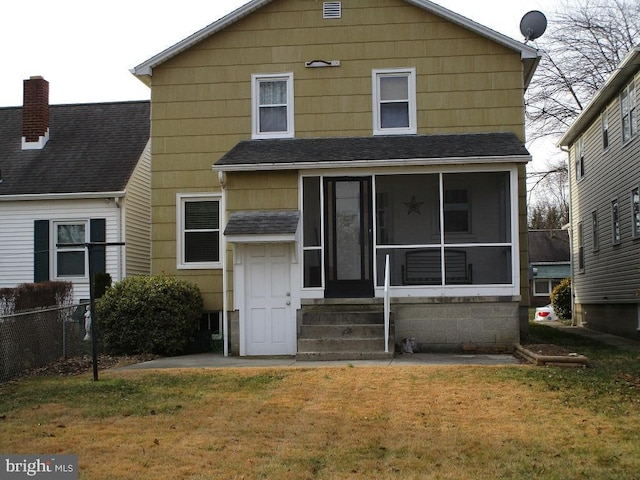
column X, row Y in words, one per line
column 422, row 267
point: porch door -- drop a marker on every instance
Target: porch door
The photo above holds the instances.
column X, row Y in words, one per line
column 349, row 237
column 270, row 325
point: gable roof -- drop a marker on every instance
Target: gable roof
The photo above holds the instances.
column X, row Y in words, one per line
column 529, row 55
column 549, row 246
column 300, row 153
column 611, row 88
column 93, row 148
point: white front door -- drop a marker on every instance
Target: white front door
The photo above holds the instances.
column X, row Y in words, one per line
column 270, row 326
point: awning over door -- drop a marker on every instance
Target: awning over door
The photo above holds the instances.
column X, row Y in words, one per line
column 262, row 226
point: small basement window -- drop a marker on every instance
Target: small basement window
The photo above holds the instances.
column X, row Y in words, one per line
column 332, row 10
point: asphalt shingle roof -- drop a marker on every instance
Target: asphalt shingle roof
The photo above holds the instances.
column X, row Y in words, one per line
column 92, row 148
column 396, row 147
column 270, row 222
column 548, row 246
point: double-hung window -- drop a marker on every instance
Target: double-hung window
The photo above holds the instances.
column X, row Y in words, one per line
column 70, row 252
column 628, row 111
column 580, row 158
column 594, row 231
column 394, row 101
column 635, row 212
column 199, row 231
column 272, row 103
column 615, row 222
column 605, row 130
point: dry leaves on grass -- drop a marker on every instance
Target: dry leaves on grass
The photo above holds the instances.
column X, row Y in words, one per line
column 548, row 349
column 66, row 367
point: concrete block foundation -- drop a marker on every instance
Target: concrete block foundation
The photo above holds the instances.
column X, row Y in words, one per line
column 474, row 324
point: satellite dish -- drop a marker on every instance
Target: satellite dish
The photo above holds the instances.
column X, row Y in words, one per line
column 533, row 25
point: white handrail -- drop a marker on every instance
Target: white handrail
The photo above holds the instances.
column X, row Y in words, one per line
column 387, row 309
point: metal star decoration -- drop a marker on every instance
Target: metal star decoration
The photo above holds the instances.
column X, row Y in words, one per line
column 413, row 205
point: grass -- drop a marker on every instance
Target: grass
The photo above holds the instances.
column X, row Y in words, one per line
column 424, row 422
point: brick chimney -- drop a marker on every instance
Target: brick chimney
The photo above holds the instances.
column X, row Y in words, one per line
column 35, row 114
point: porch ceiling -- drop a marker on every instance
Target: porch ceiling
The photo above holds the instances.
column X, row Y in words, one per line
column 301, row 153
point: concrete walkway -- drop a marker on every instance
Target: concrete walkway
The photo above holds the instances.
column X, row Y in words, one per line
column 606, row 338
column 216, row 360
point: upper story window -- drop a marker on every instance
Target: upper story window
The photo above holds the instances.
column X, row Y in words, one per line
column 635, row 212
column 628, row 112
column 394, row 101
column 198, row 231
column 615, row 222
column 605, row 130
column 580, row 158
column 70, row 252
column 272, row 105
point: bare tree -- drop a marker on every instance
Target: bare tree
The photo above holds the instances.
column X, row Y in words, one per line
column 549, row 207
column 585, row 42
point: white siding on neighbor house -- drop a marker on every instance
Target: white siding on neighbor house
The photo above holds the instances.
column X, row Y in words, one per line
column 17, row 236
column 137, row 214
column 612, row 272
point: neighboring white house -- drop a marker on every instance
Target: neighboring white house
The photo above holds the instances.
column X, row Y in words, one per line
column 73, row 174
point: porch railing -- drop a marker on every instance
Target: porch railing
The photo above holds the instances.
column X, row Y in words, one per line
column 387, row 308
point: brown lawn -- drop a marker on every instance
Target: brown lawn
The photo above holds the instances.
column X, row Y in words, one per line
column 414, row 422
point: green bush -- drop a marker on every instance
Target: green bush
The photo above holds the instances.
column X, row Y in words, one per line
column 149, row 315
column 561, row 299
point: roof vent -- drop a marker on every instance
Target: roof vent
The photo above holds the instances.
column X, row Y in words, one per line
column 332, row 10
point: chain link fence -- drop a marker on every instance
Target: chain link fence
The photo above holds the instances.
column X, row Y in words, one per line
column 38, row 338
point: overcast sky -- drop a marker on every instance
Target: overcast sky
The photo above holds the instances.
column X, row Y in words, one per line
column 86, row 49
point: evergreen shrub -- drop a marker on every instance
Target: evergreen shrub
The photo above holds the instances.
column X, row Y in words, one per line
column 149, row 315
column 561, row 299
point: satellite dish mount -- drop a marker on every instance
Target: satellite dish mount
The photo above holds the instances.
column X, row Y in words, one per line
column 533, row 25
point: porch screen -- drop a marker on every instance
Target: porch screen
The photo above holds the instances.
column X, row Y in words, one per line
column 444, row 229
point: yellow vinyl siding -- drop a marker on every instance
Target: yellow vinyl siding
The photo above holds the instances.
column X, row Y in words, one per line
column 202, row 97
column 137, row 227
column 262, row 191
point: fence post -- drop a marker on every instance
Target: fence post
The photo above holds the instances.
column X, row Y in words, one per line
column 64, row 337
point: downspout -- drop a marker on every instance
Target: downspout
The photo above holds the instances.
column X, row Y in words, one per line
column 116, row 201
column 225, row 317
column 570, row 231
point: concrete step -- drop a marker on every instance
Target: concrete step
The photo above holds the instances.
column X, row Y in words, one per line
column 372, row 344
column 342, row 318
column 341, row 331
column 337, row 356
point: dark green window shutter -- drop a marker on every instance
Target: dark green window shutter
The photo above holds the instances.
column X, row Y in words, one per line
column 41, row 251
column 98, row 233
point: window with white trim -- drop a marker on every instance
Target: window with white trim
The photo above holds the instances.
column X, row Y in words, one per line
column 272, row 105
column 615, row 222
column 70, row 261
column 543, row 287
column 394, row 101
column 605, row 130
column 580, row 158
column 628, row 112
column 199, row 231
column 594, row 230
column 635, row 212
